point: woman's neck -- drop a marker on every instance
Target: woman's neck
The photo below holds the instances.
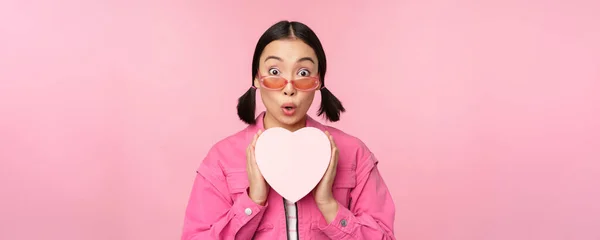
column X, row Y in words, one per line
column 269, row 122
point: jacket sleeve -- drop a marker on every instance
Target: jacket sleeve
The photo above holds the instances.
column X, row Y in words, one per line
column 211, row 212
column 371, row 215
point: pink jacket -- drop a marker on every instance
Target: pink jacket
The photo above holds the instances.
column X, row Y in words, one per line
column 219, row 206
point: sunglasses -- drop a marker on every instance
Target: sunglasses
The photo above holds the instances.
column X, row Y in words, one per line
column 278, row 83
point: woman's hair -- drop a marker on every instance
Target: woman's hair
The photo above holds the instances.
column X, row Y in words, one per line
column 330, row 105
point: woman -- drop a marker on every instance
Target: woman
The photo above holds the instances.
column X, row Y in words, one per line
column 231, row 200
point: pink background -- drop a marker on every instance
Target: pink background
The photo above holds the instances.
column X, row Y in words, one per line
column 487, row 126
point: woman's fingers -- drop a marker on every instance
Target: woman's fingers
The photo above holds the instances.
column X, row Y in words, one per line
column 330, row 139
column 331, row 169
column 250, row 151
column 333, row 146
column 256, row 138
column 335, row 153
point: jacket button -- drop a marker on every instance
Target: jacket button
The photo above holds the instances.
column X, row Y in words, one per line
column 343, row 222
column 248, row 211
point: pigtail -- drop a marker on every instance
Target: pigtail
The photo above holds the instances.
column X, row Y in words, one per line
column 330, row 105
column 246, row 106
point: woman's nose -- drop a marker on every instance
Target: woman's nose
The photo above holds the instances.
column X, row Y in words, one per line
column 289, row 89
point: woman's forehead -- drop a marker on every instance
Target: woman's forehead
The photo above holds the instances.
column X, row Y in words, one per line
column 288, row 50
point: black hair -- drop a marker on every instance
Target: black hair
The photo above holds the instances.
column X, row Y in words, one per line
column 330, row 105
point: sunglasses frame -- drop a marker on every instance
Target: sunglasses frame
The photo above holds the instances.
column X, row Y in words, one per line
column 261, row 80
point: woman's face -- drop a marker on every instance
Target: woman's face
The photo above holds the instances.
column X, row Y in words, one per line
column 290, row 59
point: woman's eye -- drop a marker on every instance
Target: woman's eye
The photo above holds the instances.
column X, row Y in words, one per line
column 304, row 73
column 273, row 71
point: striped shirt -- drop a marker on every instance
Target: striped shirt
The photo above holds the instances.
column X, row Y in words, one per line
column 292, row 220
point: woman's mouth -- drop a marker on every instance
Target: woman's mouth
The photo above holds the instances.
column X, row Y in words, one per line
column 288, row 109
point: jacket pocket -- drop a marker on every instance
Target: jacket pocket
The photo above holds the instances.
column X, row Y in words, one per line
column 237, row 181
column 345, row 182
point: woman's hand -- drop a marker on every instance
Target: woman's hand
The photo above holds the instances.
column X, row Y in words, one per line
column 323, row 192
column 259, row 189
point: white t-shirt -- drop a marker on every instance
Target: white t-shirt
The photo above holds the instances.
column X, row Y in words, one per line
column 292, row 220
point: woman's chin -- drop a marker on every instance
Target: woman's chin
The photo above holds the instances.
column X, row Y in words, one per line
column 290, row 120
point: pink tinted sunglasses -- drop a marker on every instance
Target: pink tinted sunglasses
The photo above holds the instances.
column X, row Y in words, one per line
column 278, row 83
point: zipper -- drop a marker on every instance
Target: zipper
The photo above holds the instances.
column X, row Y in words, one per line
column 287, row 235
column 349, row 197
column 297, row 222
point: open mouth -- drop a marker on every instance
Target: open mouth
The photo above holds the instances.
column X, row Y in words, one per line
column 288, row 109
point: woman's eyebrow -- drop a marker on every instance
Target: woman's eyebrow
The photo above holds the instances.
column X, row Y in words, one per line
column 273, row 57
column 299, row 60
column 306, row 59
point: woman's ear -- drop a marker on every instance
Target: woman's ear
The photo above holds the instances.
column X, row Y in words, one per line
column 256, row 83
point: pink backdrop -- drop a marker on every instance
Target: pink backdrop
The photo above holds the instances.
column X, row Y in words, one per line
column 487, row 126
